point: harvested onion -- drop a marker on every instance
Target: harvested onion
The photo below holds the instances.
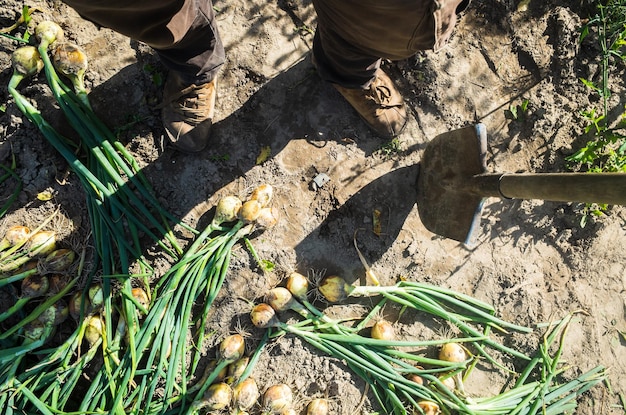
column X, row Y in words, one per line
column 429, row 407
column 48, row 32
column 42, row 243
column 16, row 234
column 227, row 210
column 335, row 288
column 245, row 394
column 452, row 352
column 250, row 211
column 59, row 260
column 263, row 316
column 263, row 194
column 298, row 285
column 94, row 331
column 317, row 407
column 277, row 398
column 382, row 330
column 218, row 396
column 232, row 348
column 267, row 218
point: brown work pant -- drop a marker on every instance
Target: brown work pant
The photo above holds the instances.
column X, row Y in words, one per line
column 351, row 38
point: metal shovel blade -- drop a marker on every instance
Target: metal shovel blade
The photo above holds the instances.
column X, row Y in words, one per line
column 452, row 184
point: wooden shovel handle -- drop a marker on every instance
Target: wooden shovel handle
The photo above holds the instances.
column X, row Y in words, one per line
column 609, row 188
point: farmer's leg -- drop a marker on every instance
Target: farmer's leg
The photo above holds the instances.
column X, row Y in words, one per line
column 185, row 36
column 353, row 35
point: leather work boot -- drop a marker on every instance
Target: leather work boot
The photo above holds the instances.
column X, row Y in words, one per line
column 187, row 113
column 380, row 105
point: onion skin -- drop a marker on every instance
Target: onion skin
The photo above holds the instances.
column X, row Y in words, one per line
column 35, row 286
column 96, row 296
column 236, row 369
column 298, row 285
column 59, row 260
column 452, row 352
column 141, row 296
column 70, row 60
column 317, row 407
column 232, row 348
column 94, row 330
column 26, row 62
column 75, row 304
column 16, row 234
column 227, row 210
column 218, row 396
column 54, row 315
column 429, row 408
column 42, row 243
column 267, row 218
column 245, row 394
column 335, row 288
column 280, row 299
column 249, row 211
column 264, row 316
column 277, row 398
column 263, row 194
column 48, row 32
column 382, row 330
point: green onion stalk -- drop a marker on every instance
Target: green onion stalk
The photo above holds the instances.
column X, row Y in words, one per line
column 454, row 307
column 120, row 201
column 381, row 363
column 162, row 356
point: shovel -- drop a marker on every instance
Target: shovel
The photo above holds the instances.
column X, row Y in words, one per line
column 453, row 184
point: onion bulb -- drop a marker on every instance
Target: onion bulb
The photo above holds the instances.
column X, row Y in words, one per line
column 70, row 60
column 267, row 218
column 141, row 296
column 48, row 32
column 452, row 352
column 55, row 314
column 59, row 260
column 94, row 331
column 76, row 302
column 249, row 211
column 245, row 394
column 35, row 286
column 96, row 296
column 236, row 369
column 298, row 285
column 218, row 396
column 429, row 407
column 232, row 348
column 277, row 398
column 281, row 299
column 382, row 330
column 317, row 407
column 227, row 210
column 263, row 194
column 264, row 316
column 35, row 330
column 335, row 288
column 42, row 243
column 16, row 234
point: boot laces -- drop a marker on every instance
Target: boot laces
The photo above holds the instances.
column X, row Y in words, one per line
column 193, row 102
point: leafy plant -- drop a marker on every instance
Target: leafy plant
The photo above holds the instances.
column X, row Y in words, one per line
column 606, row 152
column 520, row 111
column 390, row 148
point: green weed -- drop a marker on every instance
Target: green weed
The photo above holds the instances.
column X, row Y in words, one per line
column 390, row 148
column 520, row 111
column 606, row 151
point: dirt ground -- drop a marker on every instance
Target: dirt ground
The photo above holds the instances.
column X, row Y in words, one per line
column 531, row 260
